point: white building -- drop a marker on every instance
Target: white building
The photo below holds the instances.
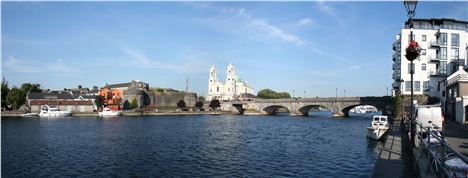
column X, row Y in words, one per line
column 444, row 45
column 229, row 90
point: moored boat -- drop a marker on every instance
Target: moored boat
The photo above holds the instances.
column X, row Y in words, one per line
column 53, row 111
column 378, row 128
column 108, row 112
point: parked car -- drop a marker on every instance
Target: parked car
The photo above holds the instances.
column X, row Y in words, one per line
column 429, row 116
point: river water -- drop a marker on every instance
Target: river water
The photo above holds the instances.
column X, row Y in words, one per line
column 188, row 146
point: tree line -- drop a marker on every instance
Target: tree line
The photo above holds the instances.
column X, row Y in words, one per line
column 270, row 94
column 13, row 98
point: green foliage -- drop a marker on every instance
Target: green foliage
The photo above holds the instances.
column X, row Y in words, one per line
column 215, row 104
column 16, row 97
column 5, row 91
column 159, row 90
column 201, row 98
column 134, row 103
column 29, row 87
column 199, row 104
column 181, row 104
column 270, row 94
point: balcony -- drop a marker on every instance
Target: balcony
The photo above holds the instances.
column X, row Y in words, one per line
column 436, row 58
column 438, row 73
column 438, row 43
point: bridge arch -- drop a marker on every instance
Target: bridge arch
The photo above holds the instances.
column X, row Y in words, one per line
column 348, row 108
column 272, row 109
column 304, row 110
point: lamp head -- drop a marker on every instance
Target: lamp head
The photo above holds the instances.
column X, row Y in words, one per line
column 410, row 6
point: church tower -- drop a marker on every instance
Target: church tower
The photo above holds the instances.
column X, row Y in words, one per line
column 212, row 78
column 230, row 74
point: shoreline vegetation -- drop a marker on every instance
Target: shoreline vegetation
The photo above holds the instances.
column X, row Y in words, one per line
column 142, row 113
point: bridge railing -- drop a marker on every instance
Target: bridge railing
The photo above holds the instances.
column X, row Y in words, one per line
column 439, row 152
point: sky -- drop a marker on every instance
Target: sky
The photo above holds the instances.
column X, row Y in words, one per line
column 311, row 48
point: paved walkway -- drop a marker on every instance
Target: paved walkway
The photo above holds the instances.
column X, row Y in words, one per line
column 457, row 136
column 392, row 162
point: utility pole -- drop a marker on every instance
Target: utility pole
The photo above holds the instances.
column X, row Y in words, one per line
column 304, row 94
column 345, row 93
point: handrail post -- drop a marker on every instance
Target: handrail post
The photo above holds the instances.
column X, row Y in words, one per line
column 429, row 137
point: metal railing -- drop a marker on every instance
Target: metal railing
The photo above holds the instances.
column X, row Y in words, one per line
column 437, row 148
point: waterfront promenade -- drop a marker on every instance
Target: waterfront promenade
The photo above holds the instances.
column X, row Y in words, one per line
column 393, row 159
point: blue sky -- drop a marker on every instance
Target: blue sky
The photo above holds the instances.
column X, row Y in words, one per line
column 302, row 46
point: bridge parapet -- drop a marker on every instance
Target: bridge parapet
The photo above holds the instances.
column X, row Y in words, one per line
column 339, row 105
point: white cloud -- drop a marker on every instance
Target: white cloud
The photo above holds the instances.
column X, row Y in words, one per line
column 304, row 22
column 264, row 25
column 28, row 66
column 385, row 28
column 330, row 11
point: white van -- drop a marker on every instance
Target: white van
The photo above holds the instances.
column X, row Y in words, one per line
column 429, row 116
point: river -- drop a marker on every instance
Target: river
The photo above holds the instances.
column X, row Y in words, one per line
column 188, row 146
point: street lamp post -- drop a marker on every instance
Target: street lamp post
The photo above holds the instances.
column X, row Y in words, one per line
column 410, row 6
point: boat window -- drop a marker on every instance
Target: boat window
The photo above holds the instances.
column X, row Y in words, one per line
column 53, row 109
column 383, row 119
column 376, row 119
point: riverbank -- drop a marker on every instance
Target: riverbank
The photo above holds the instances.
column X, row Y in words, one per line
column 143, row 113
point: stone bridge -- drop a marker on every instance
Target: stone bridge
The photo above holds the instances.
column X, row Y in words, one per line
column 340, row 105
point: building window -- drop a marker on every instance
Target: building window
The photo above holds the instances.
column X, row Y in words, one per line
column 443, row 93
column 407, row 85
column 438, row 86
column 441, row 54
column 455, row 39
column 210, row 91
column 423, row 66
column 455, row 92
column 217, row 89
column 423, row 51
column 442, row 39
column 417, row 86
column 424, row 38
column 426, row 85
column 229, row 89
column 455, row 53
column 443, row 68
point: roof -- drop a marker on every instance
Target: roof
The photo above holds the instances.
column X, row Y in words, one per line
column 120, row 85
column 247, row 95
column 56, row 102
column 63, row 95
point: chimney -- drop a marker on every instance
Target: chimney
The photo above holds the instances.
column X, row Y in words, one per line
column 79, row 86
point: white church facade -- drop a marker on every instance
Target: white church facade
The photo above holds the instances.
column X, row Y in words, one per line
column 231, row 89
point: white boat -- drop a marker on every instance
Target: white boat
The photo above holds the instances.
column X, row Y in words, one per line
column 30, row 115
column 364, row 109
column 378, row 128
column 53, row 111
column 108, row 112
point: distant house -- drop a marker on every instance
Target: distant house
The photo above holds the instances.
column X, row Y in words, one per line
column 246, row 97
column 64, row 100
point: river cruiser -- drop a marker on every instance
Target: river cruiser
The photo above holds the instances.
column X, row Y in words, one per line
column 53, row 111
column 106, row 112
column 378, row 128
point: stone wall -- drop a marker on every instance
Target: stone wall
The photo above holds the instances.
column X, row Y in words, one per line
column 170, row 99
column 72, row 108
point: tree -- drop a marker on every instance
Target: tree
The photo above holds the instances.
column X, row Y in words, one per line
column 201, row 98
column 215, row 104
column 134, row 103
column 29, row 87
column 5, row 91
column 397, row 104
column 270, row 94
column 199, row 104
column 181, row 104
column 16, row 97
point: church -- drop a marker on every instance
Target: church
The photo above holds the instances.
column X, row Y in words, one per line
column 232, row 89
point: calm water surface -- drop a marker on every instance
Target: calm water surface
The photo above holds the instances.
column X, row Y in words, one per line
column 188, row 146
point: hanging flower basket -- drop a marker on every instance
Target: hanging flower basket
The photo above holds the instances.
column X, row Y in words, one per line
column 412, row 51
